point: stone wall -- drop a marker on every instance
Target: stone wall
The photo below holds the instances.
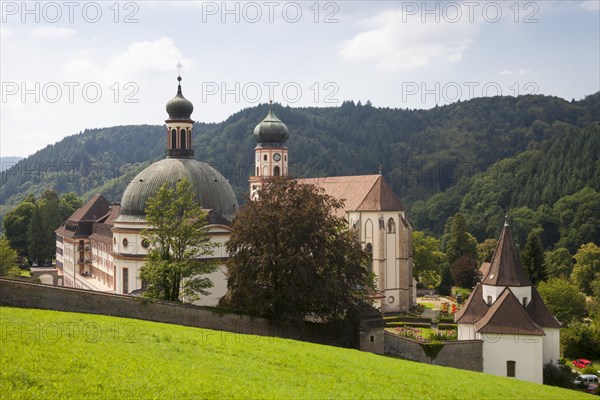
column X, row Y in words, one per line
column 17, row 293
column 462, row 354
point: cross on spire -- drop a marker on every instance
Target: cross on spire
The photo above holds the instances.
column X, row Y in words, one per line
column 380, row 168
column 179, row 66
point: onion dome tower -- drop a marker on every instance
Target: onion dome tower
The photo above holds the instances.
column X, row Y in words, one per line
column 179, row 125
column 270, row 153
column 211, row 189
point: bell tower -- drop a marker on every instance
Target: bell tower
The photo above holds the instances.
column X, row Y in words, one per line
column 179, row 126
column 270, row 154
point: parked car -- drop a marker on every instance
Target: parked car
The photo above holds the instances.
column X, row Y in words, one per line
column 583, row 381
column 592, row 388
column 581, row 363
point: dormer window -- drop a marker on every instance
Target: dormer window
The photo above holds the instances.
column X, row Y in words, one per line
column 489, row 300
column 524, row 301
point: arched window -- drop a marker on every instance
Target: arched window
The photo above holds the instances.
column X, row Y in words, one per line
column 173, row 138
column 257, row 171
column 265, row 157
column 182, row 138
column 276, row 171
column 391, row 226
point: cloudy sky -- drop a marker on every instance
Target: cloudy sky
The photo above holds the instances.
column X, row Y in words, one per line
column 68, row 66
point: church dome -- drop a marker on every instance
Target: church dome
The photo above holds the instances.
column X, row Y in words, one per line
column 179, row 107
column 212, row 191
column 271, row 130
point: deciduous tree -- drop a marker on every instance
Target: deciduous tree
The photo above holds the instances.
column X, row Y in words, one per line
column 179, row 244
column 8, row 259
column 563, row 299
column 587, row 265
column 292, row 257
column 559, row 263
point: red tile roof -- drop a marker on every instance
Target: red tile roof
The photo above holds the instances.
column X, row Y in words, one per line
column 360, row 193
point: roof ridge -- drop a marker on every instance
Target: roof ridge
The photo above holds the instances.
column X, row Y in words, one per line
column 506, row 296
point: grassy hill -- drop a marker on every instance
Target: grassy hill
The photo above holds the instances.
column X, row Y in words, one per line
column 49, row 354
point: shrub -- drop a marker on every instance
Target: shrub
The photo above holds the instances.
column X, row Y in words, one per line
column 447, row 327
column 464, row 293
column 581, row 340
column 407, row 324
column 589, row 370
column 432, row 349
column 558, row 374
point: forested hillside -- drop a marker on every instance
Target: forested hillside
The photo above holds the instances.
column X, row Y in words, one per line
column 553, row 186
column 423, row 152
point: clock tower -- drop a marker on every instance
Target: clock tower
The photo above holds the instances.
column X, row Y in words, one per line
column 270, row 153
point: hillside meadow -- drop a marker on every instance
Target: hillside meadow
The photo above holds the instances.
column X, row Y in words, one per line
column 50, row 355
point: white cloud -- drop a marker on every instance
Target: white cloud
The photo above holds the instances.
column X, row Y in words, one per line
column 140, row 57
column 5, row 33
column 590, row 5
column 520, row 71
column 395, row 41
column 51, row 32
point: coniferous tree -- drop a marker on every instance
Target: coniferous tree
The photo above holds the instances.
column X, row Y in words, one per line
column 460, row 242
column 533, row 258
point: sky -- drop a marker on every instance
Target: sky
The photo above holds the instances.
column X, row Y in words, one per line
column 70, row 65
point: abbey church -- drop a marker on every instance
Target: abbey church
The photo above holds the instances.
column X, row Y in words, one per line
column 100, row 247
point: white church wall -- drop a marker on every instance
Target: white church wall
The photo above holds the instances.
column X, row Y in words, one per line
column 551, row 345
column 520, row 292
column 526, row 351
column 219, row 280
column 467, row 332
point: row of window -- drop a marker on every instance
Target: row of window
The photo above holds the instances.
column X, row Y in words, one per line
column 183, row 138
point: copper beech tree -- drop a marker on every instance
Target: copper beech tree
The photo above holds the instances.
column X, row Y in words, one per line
column 293, row 258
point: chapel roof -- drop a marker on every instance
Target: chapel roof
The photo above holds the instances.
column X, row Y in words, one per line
column 360, row 192
column 538, row 311
column 473, row 309
column 505, row 268
column 507, row 316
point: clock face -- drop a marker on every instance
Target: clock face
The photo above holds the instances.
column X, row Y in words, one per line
column 276, row 156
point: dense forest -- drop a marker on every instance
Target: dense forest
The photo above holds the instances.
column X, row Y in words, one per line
column 484, row 157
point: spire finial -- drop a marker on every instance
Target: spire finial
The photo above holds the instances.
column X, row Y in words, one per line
column 179, row 66
column 506, row 218
column 380, row 168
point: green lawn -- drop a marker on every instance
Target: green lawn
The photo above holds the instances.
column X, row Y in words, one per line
column 50, row 355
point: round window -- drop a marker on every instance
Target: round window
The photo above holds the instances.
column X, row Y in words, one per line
column 125, row 242
column 391, row 299
column 145, row 243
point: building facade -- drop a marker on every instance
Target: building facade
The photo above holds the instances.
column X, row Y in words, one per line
column 101, row 246
column 507, row 313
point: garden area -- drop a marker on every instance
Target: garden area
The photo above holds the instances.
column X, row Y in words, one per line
column 431, row 320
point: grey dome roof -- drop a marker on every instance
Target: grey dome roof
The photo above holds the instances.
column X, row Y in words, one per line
column 179, row 107
column 211, row 188
column 271, row 130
